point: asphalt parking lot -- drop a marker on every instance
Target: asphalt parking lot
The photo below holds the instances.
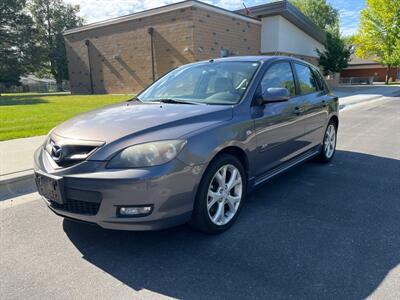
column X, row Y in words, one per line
column 318, row 231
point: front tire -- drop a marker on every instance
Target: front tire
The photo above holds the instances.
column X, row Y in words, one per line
column 220, row 195
column 329, row 143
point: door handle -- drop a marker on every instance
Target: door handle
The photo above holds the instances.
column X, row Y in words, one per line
column 324, row 104
column 298, row 110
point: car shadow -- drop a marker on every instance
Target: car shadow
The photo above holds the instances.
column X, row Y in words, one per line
column 317, row 231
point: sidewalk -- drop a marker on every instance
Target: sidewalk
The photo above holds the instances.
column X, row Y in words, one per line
column 16, row 156
column 16, row 165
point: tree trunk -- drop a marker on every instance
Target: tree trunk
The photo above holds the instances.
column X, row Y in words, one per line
column 387, row 74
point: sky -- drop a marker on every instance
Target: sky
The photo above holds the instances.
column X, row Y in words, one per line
column 98, row 10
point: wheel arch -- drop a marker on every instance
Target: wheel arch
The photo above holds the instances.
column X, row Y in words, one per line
column 237, row 152
column 335, row 119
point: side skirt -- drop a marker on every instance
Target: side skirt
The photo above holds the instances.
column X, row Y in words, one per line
column 255, row 182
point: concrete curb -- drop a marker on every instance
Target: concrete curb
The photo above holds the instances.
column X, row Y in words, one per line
column 15, row 177
column 369, row 99
column 345, row 105
column 16, row 184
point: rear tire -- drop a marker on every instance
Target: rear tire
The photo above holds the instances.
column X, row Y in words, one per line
column 220, row 195
column 329, row 143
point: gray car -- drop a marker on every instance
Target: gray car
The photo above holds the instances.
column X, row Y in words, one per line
column 190, row 146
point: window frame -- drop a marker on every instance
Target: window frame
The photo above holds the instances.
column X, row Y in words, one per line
column 321, row 80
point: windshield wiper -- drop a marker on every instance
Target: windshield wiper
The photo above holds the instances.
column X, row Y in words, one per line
column 176, row 101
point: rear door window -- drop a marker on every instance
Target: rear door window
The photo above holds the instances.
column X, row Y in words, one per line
column 307, row 82
column 320, row 79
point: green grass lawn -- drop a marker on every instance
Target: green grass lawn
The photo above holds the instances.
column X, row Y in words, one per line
column 25, row 115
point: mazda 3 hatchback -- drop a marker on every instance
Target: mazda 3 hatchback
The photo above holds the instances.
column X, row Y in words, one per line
column 190, row 146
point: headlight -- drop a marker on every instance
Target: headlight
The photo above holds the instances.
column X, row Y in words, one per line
column 147, row 155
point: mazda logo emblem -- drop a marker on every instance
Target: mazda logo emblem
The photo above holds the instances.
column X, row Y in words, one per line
column 56, row 152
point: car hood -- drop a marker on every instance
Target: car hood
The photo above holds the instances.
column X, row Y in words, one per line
column 129, row 119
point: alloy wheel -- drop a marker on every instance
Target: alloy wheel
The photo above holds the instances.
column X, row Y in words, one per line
column 224, row 194
column 330, row 141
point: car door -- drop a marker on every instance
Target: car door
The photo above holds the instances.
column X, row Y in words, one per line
column 315, row 99
column 279, row 126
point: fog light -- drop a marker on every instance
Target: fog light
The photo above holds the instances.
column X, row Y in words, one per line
column 134, row 211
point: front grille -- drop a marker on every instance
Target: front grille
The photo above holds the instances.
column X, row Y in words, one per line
column 77, row 207
column 66, row 152
column 73, row 154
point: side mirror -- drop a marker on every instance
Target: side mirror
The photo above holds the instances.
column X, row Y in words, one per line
column 275, row 95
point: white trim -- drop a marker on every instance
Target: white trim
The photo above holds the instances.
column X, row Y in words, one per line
column 366, row 66
column 160, row 10
column 222, row 11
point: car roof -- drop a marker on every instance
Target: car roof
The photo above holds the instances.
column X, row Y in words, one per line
column 259, row 58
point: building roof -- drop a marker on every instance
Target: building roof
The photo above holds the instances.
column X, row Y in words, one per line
column 289, row 12
column 354, row 60
column 163, row 9
column 32, row 79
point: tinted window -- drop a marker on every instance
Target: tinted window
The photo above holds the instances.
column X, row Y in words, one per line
column 279, row 75
column 306, row 79
column 320, row 79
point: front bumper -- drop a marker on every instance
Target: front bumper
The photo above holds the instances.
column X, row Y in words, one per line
column 93, row 193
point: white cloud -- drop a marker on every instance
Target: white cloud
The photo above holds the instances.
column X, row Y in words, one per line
column 98, row 10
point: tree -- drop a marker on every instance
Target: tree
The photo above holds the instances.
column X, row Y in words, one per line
column 378, row 35
column 320, row 13
column 18, row 42
column 336, row 55
column 52, row 18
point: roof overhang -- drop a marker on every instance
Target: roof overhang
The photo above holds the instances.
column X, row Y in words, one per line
column 164, row 9
column 289, row 12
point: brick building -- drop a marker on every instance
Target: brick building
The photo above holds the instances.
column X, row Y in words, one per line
column 125, row 54
column 368, row 68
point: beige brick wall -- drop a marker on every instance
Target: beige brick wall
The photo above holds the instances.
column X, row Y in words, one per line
column 121, row 55
column 213, row 31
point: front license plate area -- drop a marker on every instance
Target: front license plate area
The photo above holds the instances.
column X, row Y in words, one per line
column 49, row 188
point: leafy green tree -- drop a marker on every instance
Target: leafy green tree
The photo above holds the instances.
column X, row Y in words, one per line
column 18, row 42
column 52, row 18
column 319, row 12
column 378, row 36
column 336, row 55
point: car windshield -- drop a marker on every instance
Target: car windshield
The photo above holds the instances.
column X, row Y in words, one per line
column 207, row 83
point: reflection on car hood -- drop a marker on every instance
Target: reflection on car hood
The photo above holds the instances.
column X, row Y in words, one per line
column 131, row 118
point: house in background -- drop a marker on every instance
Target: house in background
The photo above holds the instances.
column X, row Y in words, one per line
column 31, row 83
column 359, row 70
column 125, row 54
